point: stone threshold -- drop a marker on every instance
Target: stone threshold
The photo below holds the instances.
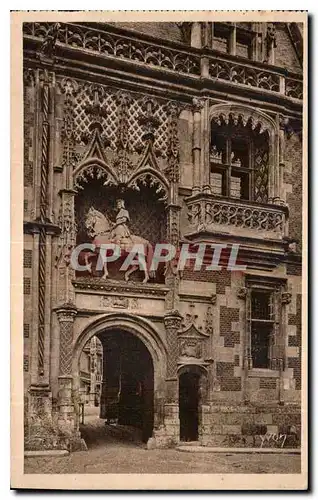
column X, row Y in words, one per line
column 212, row 449
column 46, row 453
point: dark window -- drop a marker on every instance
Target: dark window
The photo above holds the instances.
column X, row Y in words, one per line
column 239, row 159
column 262, row 328
column 231, row 172
column 235, row 38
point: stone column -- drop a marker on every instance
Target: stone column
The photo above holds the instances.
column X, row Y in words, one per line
column 66, row 421
column 103, row 395
column 196, row 147
column 205, row 147
column 196, row 38
column 172, row 321
column 233, row 40
column 281, row 341
column 244, row 294
column 93, row 355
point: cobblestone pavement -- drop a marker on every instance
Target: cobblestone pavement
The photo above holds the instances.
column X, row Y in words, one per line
column 114, row 449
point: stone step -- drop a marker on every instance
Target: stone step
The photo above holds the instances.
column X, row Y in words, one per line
column 46, row 453
column 210, row 449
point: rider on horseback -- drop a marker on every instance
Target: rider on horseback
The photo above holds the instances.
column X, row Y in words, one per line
column 120, row 233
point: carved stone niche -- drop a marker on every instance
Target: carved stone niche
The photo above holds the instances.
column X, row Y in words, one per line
column 192, row 344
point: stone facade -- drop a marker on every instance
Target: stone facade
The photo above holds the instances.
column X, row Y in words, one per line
column 198, row 127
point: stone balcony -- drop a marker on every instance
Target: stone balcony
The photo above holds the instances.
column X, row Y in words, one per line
column 175, row 57
column 209, row 213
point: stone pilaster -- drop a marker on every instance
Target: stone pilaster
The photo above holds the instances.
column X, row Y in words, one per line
column 66, row 317
column 196, row 145
column 172, row 323
column 244, row 294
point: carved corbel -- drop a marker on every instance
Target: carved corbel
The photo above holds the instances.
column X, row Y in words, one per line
column 241, row 293
column 286, row 298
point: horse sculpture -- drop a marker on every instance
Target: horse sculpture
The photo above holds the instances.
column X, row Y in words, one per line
column 100, row 228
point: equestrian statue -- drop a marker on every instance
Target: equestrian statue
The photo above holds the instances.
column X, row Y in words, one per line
column 104, row 231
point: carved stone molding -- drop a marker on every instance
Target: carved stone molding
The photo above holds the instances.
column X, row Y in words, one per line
column 213, row 298
column 145, row 290
column 172, row 171
column 119, row 302
column 247, row 116
column 209, row 321
column 241, row 293
column 29, row 77
column 197, row 104
column 286, row 298
column 270, row 43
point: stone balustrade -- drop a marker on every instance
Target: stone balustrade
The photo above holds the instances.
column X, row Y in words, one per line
column 171, row 56
column 244, row 218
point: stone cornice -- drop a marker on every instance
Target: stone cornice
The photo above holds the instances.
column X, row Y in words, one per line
column 91, row 285
column 31, row 227
column 169, row 85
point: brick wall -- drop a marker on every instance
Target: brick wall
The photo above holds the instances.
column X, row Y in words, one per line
column 168, row 31
column 225, row 375
column 285, row 55
column 295, row 341
column 293, row 176
column 294, row 270
column 222, row 278
column 227, row 316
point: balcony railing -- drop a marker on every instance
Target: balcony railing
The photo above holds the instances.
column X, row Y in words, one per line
column 171, row 56
column 120, row 46
column 238, row 217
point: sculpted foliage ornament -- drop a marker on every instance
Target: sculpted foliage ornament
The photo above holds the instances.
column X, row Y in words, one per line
column 48, row 46
column 241, row 293
column 172, row 170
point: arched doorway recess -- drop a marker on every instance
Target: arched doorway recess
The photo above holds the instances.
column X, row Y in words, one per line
column 136, row 369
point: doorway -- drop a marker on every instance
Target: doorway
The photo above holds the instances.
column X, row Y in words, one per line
column 127, row 395
column 189, row 385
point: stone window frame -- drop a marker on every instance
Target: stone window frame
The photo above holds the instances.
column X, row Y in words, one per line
column 233, row 35
column 264, row 122
column 230, row 168
column 277, row 286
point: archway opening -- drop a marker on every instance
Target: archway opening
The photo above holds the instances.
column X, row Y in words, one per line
column 126, row 395
column 189, row 400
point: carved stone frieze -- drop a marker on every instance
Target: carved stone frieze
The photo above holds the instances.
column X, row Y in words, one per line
column 145, row 290
column 209, row 321
column 190, row 348
column 119, row 302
